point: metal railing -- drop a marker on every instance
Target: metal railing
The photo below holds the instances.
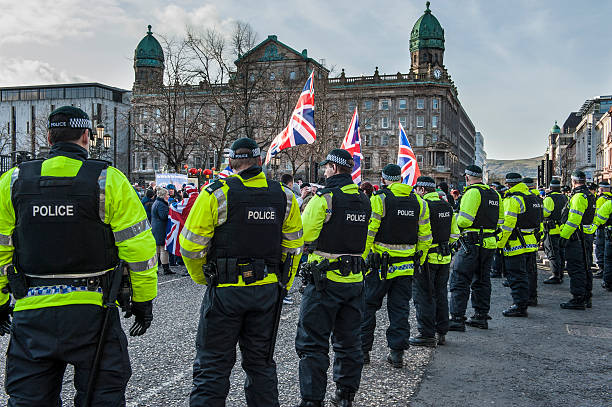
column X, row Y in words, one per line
column 8, row 161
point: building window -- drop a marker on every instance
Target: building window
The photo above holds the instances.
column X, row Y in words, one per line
column 403, row 104
column 420, row 121
column 434, row 103
column 156, row 162
column 384, row 160
column 434, row 138
column 351, row 106
column 419, row 140
column 252, row 78
column 384, row 104
column 29, row 94
column 292, row 75
column 419, row 158
column 8, row 95
column 367, row 162
column 272, row 76
column 434, row 122
column 420, row 103
column 384, row 140
column 368, row 124
column 367, row 105
column 143, row 163
column 384, row 122
column 402, row 121
column 367, row 139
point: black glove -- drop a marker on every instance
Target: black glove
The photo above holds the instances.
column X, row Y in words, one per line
column 143, row 313
column 563, row 242
column 5, row 318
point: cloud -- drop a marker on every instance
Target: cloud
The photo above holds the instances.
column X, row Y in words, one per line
column 174, row 20
column 44, row 21
column 22, row 72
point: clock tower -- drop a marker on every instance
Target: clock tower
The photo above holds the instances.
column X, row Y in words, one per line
column 427, row 47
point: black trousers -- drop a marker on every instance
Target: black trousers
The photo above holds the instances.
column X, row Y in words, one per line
column 496, row 265
column 430, row 296
column 581, row 278
column 607, row 271
column 44, row 341
column 230, row 316
column 600, row 247
column 517, row 269
column 470, row 271
column 589, row 239
column 335, row 311
column 532, row 274
column 398, row 291
column 553, row 252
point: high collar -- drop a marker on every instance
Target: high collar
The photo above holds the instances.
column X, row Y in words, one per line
column 68, row 149
column 432, row 196
column 520, row 187
column 338, row 180
column 250, row 172
column 581, row 189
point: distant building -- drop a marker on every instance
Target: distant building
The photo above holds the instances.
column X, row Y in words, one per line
column 424, row 100
column 24, row 111
column 586, row 138
column 481, row 156
column 603, row 129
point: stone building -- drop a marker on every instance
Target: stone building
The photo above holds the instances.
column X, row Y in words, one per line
column 424, row 100
column 24, row 111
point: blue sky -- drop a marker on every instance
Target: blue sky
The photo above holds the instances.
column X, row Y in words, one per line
column 519, row 65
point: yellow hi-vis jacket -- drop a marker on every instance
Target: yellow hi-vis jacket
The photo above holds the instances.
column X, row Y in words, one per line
column 317, row 212
column 405, row 268
column 514, row 205
column 122, row 211
column 470, row 202
column 436, row 258
column 210, row 211
column 549, row 207
column 603, row 213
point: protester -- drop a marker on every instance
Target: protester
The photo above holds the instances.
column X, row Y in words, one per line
column 159, row 221
column 367, row 188
column 147, row 202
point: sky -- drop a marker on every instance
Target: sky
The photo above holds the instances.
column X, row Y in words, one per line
column 518, row 65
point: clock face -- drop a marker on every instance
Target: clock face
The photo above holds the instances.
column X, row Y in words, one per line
column 437, row 73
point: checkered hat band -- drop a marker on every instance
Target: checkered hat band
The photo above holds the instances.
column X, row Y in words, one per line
column 425, row 184
column 338, row 160
column 574, row 178
column 256, row 152
column 473, row 174
column 513, row 180
column 75, row 123
column 391, row 177
column 604, row 185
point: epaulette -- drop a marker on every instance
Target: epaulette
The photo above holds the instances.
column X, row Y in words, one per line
column 323, row 191
column 214, row 186
column 380, row 191
column 108, row 163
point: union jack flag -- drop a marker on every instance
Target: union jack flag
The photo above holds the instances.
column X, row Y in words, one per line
column 406, row 159
column 352, row 144
column 301, row 127
column 226, row 172
column 177, row 215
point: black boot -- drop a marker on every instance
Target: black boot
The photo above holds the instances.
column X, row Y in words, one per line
column 533, row 302
column 167, row 269
column 310, row 403
column 606, row 286
column 441, row 339
column 515, row 311
column 421, row 340
column 396, row 358
column 599, row 274
column 574, row 303
column 366, row 358
column 553, row 280
column 506, row 283
column 478, row 320
column 457, row 323
column 343, row 398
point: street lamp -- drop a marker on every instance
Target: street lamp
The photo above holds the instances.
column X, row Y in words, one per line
column 100, row 131
column 107, row 141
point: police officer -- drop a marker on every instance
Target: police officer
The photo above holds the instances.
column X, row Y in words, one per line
column 532, row 258
column 589, row 231
column 398, row 234
column 64, row 224
column 522, row 219
column 604, row 221
column 335, row 230
column 479, row 215
column 554, row 203
column 430, row 285
column 579, row 213
column 243, row 235
column 600, row 237
column 496, row 263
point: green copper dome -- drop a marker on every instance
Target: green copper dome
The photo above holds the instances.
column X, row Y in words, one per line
column 427, row 32
column 148, row 52
column 555, row 129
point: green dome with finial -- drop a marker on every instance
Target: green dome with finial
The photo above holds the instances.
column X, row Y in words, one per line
column 149, row 53
column 555, row 129
column 427, row 32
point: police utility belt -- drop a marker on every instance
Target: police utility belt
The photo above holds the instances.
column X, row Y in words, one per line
column 19, row 283
column 316, row 272
column 226, row 270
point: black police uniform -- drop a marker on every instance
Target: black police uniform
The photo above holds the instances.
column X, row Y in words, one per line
column 336, row 309
column 430, row 286
column 238, row 314
column 45, row 340
column 551, row 242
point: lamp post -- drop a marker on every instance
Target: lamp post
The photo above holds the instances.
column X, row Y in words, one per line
column 100, row 142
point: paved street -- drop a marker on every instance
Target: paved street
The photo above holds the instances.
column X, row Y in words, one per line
column 553, row 358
